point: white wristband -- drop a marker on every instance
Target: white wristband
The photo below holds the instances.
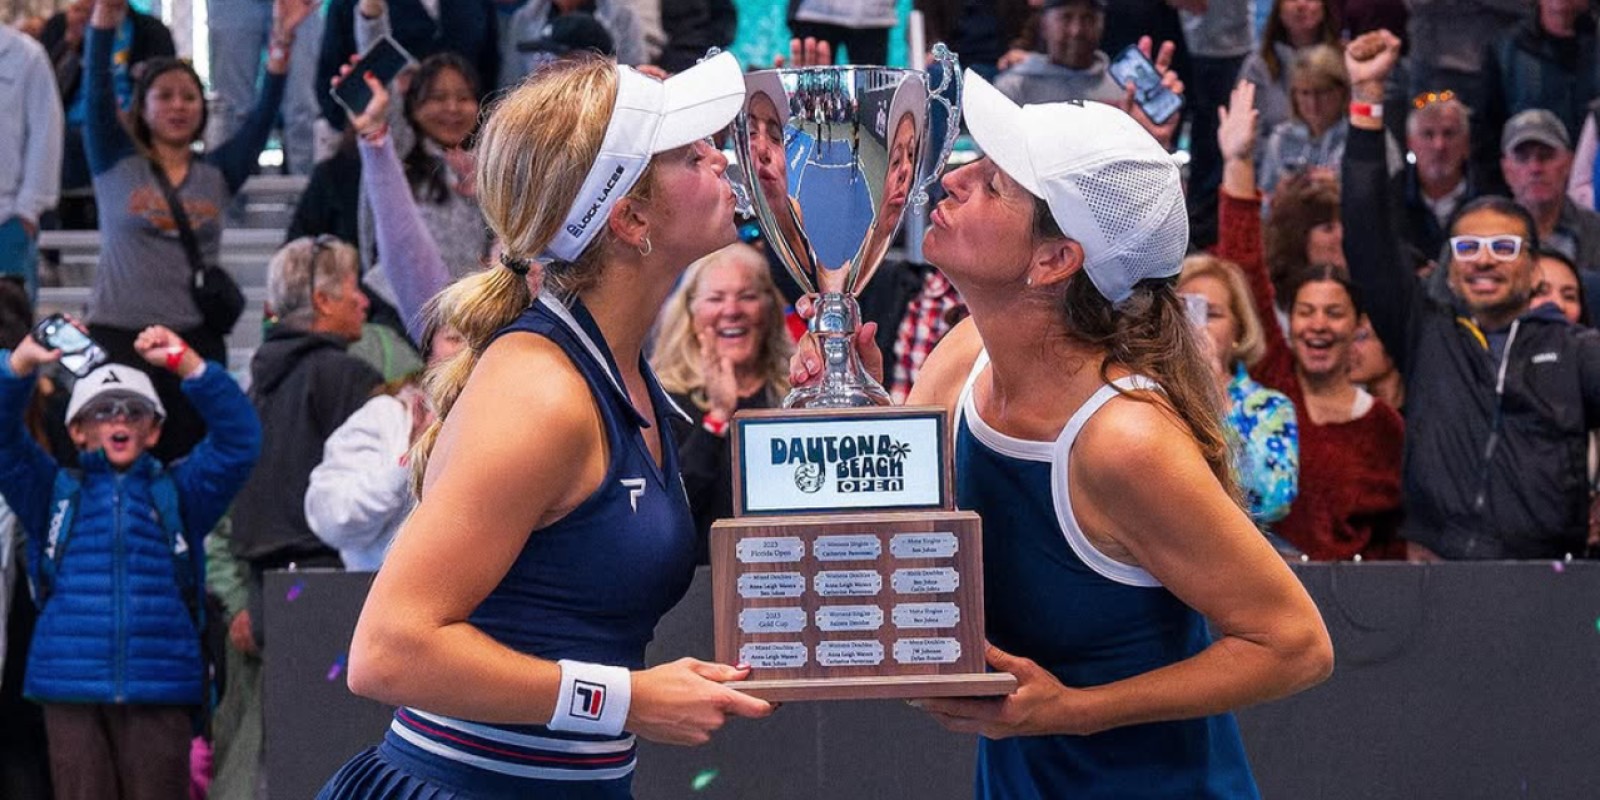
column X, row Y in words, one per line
column 594, row 699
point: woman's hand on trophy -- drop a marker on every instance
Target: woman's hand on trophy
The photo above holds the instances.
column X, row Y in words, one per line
column 806, row 363
column 1041, row 705
column 807, row 52
column 685, row 701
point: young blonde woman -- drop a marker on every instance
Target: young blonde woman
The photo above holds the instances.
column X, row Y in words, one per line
column 510, row 618
column 722, row 348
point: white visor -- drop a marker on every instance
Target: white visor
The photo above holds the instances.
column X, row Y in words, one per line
column 649, row 117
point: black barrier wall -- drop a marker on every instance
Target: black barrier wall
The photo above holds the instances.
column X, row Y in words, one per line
column 1453, row 681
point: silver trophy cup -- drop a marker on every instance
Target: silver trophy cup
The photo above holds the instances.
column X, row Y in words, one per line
column 831, row 159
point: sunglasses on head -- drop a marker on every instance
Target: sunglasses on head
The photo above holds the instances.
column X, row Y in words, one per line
column 1426, row 99
column 129, row 409
column 1500, row 248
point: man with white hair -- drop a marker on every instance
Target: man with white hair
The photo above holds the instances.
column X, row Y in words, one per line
column 1439, row 180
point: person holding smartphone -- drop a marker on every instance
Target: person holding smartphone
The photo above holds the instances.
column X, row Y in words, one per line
column 115, row 558
column 145, row 272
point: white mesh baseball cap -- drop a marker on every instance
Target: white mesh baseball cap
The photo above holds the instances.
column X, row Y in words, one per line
column 1109, row 185
column 113, row 380
column 649, row 117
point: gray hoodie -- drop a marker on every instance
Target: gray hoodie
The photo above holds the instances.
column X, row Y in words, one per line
column 1037, row 79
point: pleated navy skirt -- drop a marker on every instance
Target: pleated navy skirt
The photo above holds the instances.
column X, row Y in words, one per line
column 395, row 770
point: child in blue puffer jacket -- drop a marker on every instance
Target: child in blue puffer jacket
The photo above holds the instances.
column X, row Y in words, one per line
column 116, row 559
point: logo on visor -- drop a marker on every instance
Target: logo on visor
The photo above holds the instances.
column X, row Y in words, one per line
column 577, row 228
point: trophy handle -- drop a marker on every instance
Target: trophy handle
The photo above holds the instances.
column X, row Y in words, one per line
column 949, row 69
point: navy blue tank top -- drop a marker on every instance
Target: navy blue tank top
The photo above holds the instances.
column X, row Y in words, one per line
column 590, row 587
column 1051, row 596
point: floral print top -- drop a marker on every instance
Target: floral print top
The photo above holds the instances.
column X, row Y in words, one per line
column 1266, row 447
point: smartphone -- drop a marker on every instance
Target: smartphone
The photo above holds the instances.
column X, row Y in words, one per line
column 1157, row 101
column 79, row 354
column 384, row 59
column 1198, row 309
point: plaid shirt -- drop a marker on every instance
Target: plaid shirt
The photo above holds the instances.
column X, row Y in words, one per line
column 928, row 317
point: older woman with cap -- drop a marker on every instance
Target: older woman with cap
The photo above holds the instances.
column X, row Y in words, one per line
column 549, row 484
column 1088, row 436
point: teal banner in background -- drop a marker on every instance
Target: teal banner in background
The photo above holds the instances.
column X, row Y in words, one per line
column 764, row 33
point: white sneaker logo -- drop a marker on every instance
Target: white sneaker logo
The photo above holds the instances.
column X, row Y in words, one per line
column 635, row 491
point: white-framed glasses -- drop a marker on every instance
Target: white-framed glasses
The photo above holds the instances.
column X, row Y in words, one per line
column 1500, row 248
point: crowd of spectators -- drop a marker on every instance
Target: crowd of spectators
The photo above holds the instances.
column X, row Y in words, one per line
column 1394, row 242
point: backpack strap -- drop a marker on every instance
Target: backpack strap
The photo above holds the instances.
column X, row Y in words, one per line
column 63, row 511
column 188, row 563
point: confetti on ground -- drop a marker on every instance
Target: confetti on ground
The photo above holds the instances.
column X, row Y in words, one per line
column 704, row 779
column 1558, row 566
column 294, row 591
column 338, row 667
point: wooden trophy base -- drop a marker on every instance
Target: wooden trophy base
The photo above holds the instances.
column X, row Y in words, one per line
column 905, row 687
column 852, row 606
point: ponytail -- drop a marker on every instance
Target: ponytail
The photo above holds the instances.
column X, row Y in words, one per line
column 477, row 306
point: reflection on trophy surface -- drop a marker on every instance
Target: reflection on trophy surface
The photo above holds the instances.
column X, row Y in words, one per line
column 832, row 158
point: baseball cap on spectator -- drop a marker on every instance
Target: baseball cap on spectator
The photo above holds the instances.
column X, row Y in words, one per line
column 113, row 381
column 1534, row 125
column 1108, row 184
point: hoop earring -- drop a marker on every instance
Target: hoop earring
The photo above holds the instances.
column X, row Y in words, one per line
column 647, row 249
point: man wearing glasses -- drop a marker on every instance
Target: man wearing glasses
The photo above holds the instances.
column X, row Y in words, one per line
column 1500, row 398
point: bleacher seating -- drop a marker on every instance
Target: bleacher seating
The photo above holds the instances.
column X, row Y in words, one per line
column 254, row 233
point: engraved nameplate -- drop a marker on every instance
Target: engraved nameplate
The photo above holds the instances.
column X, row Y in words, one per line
column 767, row 585
column 936, row 580
column 848, row 583
column 863, row 547
column 772, row 620
column 927, row 651
column 770, row 550
column 923, row 545
column 773, row 655
column 849, row 618
column 926, row 615
column 864, row 653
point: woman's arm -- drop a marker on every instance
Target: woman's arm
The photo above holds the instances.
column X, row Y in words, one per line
column 1239, row 230
column 1138, row 479
column 514, row 455
column 408, row 255
column 104, row 140
column 237, row 157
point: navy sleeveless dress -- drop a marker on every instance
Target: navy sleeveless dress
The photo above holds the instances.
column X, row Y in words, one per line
column 1052, row 597
column 590, row 587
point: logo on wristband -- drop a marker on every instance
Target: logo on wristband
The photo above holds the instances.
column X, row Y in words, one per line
column 588, row 700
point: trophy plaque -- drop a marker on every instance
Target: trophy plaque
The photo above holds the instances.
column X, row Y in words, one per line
column 846, row 572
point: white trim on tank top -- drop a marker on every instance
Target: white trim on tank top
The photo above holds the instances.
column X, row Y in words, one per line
column 1057, row 454
column 566, row 317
